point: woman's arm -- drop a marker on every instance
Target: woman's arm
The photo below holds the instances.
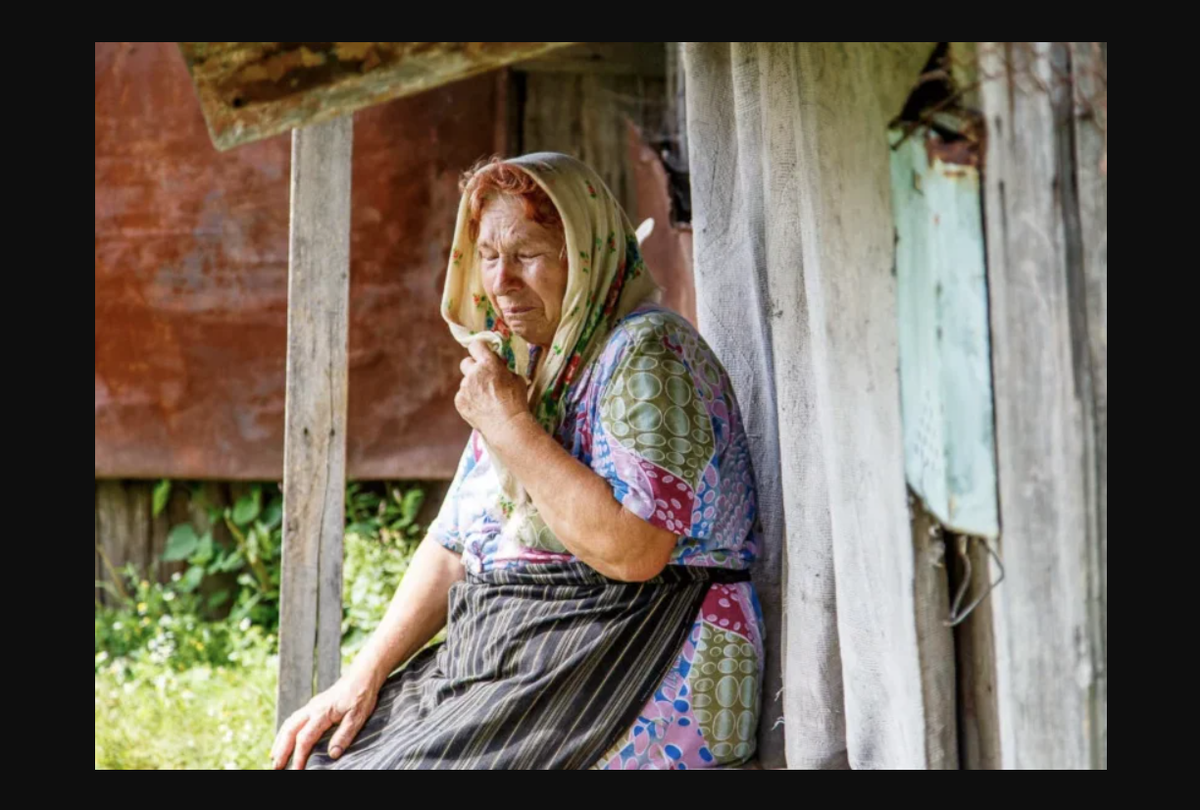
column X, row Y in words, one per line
column 416, row 614
column 576, row 503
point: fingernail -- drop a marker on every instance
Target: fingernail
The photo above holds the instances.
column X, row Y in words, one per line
column 335, row 752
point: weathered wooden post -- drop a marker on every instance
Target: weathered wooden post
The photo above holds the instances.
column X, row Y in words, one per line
column 1047, row 223
column 314, row 477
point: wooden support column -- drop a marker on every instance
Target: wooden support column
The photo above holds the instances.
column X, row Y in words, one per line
column 1047, row 257
column 1089, row 67
column 315, row 432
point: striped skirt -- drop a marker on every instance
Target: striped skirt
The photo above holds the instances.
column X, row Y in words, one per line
column 543, row 667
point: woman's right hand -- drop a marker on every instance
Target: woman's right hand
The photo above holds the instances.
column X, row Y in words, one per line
column 349, row 702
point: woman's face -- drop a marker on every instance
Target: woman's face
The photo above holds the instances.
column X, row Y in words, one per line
column 524, row 269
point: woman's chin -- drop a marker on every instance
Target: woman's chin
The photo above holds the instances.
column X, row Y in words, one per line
column 532, row 334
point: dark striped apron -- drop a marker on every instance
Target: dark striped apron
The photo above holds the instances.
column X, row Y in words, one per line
column 544, row 667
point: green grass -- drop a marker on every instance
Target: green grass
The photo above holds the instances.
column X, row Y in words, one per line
column 179, row 688
column 152, row 717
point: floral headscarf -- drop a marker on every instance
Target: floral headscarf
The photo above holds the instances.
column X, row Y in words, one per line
column 606, row 280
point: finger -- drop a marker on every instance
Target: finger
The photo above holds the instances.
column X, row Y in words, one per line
column 307, row 740
column 467, row 364
column 345, row 735
column 285, row 740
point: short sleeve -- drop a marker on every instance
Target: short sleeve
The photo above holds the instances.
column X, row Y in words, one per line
column 445, row 528
column 656, row 440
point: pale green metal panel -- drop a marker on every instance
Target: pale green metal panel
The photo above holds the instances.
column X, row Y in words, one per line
column 945, row 353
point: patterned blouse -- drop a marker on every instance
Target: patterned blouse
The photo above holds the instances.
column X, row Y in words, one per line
column 654, row 415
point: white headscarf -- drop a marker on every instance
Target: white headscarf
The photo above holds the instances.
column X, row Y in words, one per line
column 606, row 280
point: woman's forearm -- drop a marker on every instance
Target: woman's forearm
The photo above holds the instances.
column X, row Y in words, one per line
column 416, row 614
column 578, row 505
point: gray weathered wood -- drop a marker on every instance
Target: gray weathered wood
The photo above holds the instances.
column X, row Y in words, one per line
column 611, row 58
column 253, row 90
column 1047, row 656
column 675, row 122
column 794, row 258
column 731, row 279
column 1089, row 65
column 935, row 644
column 123, row 518
column 587, row 116
column 96, row 553
column 315, row 433
column 975, row 649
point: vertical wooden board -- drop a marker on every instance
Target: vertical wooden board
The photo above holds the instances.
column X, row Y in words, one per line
column 1089, row 64
column 114, row 528
column 975, row 649
column 96, row 552
column 675, row 122
column 731, row 301
column 935, row 645
column 586, row 116
column 795, row 253
column 141, row 510
column 314, row 452
column 1045, row 653
column 553, row 114
column 845, row 415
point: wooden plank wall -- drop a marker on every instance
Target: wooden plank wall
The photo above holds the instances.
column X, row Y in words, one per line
column 1047, row 245
column 580, row 105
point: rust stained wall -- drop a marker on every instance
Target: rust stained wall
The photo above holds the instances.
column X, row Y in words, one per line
column 191, row 279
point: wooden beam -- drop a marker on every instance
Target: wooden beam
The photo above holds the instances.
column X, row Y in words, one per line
column 315, row 434
column 253, row 90
column 1049, row 664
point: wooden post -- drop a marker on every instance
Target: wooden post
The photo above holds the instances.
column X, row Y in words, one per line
column 99, row 564
column 975, row 650
column 123, row 525
column 1050, row 661
column 1089, row 68
column 315, row 431
column 935, row 641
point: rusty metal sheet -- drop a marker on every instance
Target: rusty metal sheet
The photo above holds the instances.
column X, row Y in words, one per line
column 191, row 279
column 253, row 90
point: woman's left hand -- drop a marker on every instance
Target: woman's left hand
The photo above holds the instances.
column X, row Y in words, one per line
column 489, row 395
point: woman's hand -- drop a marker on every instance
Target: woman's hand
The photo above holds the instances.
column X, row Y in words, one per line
column 489, row 395
column 350, row 702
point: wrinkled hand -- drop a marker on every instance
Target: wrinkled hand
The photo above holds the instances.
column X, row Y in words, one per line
column 349, row 702
column 489, row 395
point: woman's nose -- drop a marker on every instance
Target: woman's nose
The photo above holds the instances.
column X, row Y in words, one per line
column 508, row 275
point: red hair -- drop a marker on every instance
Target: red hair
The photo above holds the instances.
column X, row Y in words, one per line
column 493, row 177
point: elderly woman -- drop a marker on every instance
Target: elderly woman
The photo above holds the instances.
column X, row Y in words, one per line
column 590, row 560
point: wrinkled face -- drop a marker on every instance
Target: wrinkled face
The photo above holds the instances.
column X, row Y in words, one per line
column 524, row 267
